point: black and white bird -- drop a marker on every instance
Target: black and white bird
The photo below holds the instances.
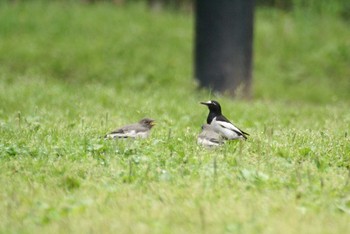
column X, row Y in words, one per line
column 221, row 124
column 209, row 137
column 136, row 130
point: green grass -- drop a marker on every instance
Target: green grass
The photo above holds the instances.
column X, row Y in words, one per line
column 69, row 73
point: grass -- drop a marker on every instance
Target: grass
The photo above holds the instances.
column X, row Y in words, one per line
column 70, row 73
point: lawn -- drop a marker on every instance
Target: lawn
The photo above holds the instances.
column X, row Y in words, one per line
column 69, row 73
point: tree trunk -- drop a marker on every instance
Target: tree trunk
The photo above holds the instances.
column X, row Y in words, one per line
column 223, row 45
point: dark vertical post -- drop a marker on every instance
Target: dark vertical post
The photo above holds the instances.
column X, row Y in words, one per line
column 223, row 45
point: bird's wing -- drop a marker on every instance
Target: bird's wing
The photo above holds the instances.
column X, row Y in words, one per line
column 123, row 132
column 245, row 133
column 118, row 133
column 208, row 142
column 214, row 140
column 222, row 119
column 136, row 127
column 225, row 123
column 210, row 136
column 119, row 130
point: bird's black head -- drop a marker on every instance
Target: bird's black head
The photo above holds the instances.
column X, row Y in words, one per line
column 147, row 122
column 214, row 110
column 213, row 106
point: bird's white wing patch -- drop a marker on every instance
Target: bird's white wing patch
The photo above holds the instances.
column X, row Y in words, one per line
column 226, row 129
column 228, row 126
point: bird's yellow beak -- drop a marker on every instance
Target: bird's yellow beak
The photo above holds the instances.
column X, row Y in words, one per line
column 153, row 123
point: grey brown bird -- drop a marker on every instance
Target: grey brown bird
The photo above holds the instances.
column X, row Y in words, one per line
column 209, row 137
column 221, row 124
column 136, row 130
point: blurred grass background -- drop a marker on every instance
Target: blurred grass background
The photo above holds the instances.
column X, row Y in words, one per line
column 72, row 70
column 301, row 48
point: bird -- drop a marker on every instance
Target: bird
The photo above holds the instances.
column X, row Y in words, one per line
column 136, row 130
column 209, row 137
column 221, row 124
